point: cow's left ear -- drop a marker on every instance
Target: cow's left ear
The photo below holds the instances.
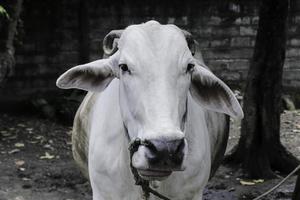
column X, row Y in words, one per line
column 213, row 94
column 94, row 76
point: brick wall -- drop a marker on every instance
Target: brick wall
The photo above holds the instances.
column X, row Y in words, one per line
column 51, row 38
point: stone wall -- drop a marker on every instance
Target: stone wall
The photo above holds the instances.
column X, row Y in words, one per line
column 57, row 35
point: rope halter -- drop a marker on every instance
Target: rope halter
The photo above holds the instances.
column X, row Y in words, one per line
column 144, row 184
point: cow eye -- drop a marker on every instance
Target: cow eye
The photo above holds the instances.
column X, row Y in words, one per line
column 124, row 67
column 190, row 67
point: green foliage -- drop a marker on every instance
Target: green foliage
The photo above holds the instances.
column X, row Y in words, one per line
column 3, row 12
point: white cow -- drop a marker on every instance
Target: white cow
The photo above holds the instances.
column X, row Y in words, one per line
column 154, row 89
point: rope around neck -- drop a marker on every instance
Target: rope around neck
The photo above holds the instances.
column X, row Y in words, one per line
column 133, row 147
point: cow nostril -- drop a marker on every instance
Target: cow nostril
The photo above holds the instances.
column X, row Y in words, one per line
column 150, row 146
column 178, row 154
column 180, row 147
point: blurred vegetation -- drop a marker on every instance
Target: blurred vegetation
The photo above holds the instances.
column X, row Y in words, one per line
column 3, row 12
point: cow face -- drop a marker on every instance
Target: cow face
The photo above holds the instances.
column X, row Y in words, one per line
column 156, row 71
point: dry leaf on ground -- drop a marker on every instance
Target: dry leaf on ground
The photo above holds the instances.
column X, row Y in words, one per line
column 251, row 182
column 47, row 156
column 19, row 144
column 14, row 151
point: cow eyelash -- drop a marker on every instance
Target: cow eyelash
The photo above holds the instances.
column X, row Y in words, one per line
column 190, row 67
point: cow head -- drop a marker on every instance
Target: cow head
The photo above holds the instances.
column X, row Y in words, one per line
column 156, row 71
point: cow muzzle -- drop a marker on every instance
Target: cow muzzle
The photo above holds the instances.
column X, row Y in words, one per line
column 156, row 159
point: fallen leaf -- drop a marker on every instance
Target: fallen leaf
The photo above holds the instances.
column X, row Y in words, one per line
column 38, row 137
column 19, row 145
column 258, row 181
column 32, row 141
column 21, row 125
column 22, row 169
column 47, row 156
column 251, row 182
column 246, row 182
column 48, row 146
column 19, row 162
column 5, row 133
column 14, row 151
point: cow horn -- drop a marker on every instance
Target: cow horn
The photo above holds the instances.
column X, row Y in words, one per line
column 110, row 45
column 190, row 41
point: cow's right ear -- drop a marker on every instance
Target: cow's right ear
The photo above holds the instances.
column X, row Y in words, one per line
column 213, row 94
column 94, row 76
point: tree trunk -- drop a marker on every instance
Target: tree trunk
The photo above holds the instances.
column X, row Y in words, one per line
column 7, row 60
column 260, row 150
column 296, row 195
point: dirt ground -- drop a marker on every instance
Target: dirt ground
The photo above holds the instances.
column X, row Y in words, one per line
column 36, row 163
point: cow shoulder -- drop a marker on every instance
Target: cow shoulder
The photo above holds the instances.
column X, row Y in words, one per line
column 80, row 133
